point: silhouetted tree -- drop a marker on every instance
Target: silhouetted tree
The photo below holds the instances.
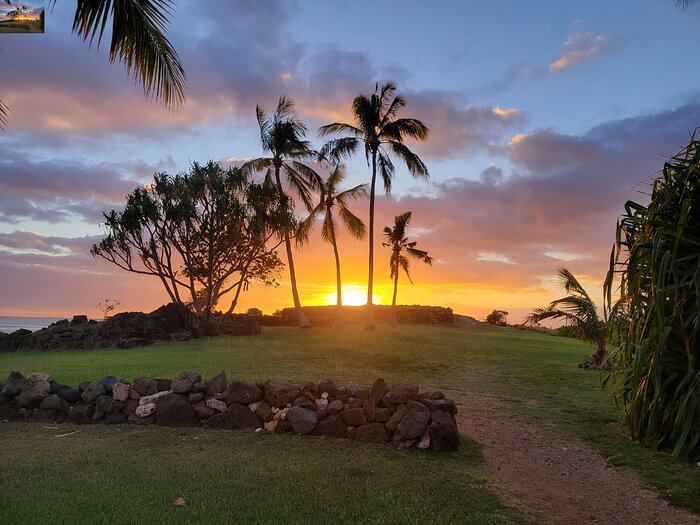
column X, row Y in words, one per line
column 498, row 317
column 378, row 128
column 282, row 136
column 400, row 246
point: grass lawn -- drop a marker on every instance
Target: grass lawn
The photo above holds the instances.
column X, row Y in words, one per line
column 105, row 473
column 20, row 26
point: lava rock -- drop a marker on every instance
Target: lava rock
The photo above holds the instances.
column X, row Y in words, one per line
column 447, row 405
column 79, row 319
column 153, row 398
column 163, row 384
column 370, row 433
column 216, row 405
column 145, row 410
column 264, row 411
column 400, row 394
column 332, row 426
column 370, row 409
column 378, row 391
column 396, row 418
column 444, row 435
column 54, row 403
column 136, row 420
column 304, row 402
column 414, row 423
column 328, row 385
column 38, row 377
column 32, row 394
column 56, row 387
column 335, row 407
column 108, row 382
column 280, row 393
column 13, row 384
column 302, row 420
column 382, row 415
column 196, row 397
column 237, row 416
column 203, row 410
column 109, row 405
column 81, row 413
column 244, row 393
column 217, row 384
column 93, row 391
column 120, row 391
column 354, row 417
column 184, row 381
column 174, row 410
column 145, row 386
column 116, row 418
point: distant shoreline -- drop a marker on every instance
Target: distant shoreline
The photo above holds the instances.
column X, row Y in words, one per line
column 9, row 324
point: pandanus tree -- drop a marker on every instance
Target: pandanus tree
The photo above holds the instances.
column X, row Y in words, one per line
column 655, row 275
column 578, row 310
column 402, row 250
column 137, row 40
column 332, row 198
column 380, row 131
column 282, row 136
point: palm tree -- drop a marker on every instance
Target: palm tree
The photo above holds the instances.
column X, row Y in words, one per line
column 397, row 240
column 282, row 136
column 579, row 312
column 138, row 41
column 331, row 197
column 381, row 132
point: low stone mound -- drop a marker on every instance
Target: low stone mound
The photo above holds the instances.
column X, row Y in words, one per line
column 172, row 322
column 398, row 414
column 326, row 316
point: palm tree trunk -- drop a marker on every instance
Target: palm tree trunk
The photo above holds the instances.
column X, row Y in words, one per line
column 392, row 319
column 370, row 325
column 302, row 320
column 339, row 316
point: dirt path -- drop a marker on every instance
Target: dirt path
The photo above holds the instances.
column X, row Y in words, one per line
column 559, row 481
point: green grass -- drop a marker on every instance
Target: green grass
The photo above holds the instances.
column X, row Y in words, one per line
column 483, row 369
column 20, row 26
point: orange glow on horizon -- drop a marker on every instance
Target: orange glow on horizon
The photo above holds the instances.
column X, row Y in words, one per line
column 353, row 295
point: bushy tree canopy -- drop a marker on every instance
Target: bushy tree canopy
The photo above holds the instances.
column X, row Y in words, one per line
column 204, row 234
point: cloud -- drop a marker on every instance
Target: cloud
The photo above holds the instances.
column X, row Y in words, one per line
column 577, row 47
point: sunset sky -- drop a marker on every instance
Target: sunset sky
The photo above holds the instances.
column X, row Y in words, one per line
column 545, row 116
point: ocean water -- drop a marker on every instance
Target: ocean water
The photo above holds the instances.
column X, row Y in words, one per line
column 10, row 324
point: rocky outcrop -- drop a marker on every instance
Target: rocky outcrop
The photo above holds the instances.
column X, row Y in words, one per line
column 171, row 322
column 399, row 414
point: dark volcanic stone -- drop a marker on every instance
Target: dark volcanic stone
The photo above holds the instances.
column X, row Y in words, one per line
column 145, row 386
column 370, row 433
column 199, row 388
column 443, row 432
column 354, row 417
column 378, row 391
column 413, row 424
column 362, row 394
column 310, row 391
column 196, row 397
column 237, row 416
column 382, row 415
column 396, row 418
column 264, row 411
column 328, row 385
column 38, row 415
column 108, row 382
column 174, row 410
column 13, row 384
column 244, row 393
column 370, row 409
column 332, row 426
column 280, row 393
column 184, row 381
column 81, row 413
column 130, row 406
column 136, row 420
column 93, row 391
column 163, row 385
column 304, row 402
column 217, row 384
column 400, row 394
column 302, row 420
column 32, row 394
column 83, row 386
column 56, row 387
column 335, row 406
column 202, row 410
column 54, row 403
column 79, row 319
column 72, row 395
column 448, row 405
column 109, row 405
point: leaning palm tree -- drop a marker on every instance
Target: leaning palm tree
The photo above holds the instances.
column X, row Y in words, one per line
column 137, row 40
column 397, row 240
column 332, row 197
column 578, row 311
column 381, row 132
column 282, row 136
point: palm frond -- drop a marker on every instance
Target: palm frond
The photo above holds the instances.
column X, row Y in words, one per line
column 357, row 192
column 341, row 148
column 396, row 104
column 421, row 255
column 415, row 165
column 352, row 222
column 386, row 170
column 338, row 128
column 328, row 227
column 310, row 175
column 138, row 41
column 4, row 110
column 405, row 127
column 298, row 183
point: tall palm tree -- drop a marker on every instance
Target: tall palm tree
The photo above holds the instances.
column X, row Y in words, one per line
column 378, row 128
column 138, row 41
column 332, row 197
column 579, row 311
column 397, row 240
column 282, row 136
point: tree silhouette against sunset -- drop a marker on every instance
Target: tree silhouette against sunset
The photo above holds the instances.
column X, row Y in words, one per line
column 282, row 136
column 379, row 129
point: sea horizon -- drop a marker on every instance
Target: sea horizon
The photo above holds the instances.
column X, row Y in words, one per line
column 9, row 324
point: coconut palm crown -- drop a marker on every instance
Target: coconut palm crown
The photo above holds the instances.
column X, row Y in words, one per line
column 282, row 136
column 381, row 133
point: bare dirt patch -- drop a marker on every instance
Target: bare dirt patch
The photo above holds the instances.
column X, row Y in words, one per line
column 558, row 480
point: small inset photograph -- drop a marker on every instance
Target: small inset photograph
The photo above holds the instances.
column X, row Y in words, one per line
column 21, row 17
